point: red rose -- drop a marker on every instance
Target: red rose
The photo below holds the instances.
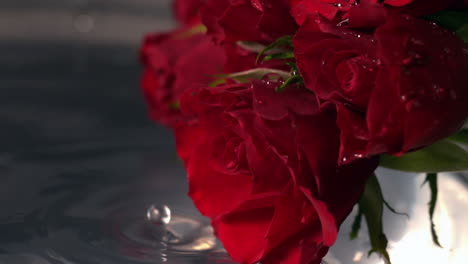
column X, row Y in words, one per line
column 248, row 20
column 186, row 11
column 337, row 10
column 397, row 89
column 173, row 62
column 331, row 9
column 263, row 166
column 424, row 7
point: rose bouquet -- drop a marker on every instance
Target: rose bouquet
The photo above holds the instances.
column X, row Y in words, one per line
column 283, row 109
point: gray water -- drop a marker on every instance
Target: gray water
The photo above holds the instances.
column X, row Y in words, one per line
column 80, row 163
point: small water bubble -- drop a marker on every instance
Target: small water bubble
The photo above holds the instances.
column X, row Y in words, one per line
column 159, row 215
column 359, row 156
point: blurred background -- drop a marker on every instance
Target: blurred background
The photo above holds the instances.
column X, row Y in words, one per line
column 80, row 162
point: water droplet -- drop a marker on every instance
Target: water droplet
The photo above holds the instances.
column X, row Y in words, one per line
column 344, row 159
column 359, row 156
column 259, row 101
column 159, row 215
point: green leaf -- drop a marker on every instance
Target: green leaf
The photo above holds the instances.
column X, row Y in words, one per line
column 431, row 179
column 200, row 29
column 462, row 32
column 174, row 105
column 356, row 225
column 456, row 21
column 217, row 82
column 438, row 157
column 285, row 41
column 461, row 137
column 279, row 56
column 253, row 74
column 452, row 20
column 293, row 66
column 292, row 80
column 251, row 46
column 371, row 205
column 389, row 207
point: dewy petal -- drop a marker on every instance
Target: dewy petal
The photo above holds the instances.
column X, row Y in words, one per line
column 354, row 134
column 303, row 248
column 327, row 220
column 262, row 21
column 213, row 192
column 189, row 70
column 171, row 67
column 269, row 23
column 254, row 216
column 366, row 16
column 243, row 234
column 241, row 29
column 288, row 216
column 423, row 106
column 318, row 138
column 385, row 116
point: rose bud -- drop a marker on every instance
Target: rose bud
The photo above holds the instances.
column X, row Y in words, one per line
column 263, row 166
column 396, row 89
